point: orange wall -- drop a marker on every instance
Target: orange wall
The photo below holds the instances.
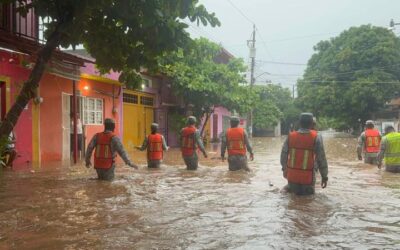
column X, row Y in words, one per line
column 51, row 90
column 107, row 101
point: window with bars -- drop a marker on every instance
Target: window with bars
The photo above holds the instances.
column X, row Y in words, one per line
column 148, row 101
column 92, row 111
column 129, row 98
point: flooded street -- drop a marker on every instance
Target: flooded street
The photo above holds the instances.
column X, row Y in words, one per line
column 171, row 208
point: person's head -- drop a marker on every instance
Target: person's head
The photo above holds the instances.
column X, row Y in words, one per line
column 306, row 120
column 389, row 129
column 369, row 124
column 191, row 120
column 154, row 128
column 234, row 121
column 109, row 124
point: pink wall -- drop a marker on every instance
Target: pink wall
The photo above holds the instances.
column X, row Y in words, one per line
column 220, row 111
column 10, row 67
column 90, row 68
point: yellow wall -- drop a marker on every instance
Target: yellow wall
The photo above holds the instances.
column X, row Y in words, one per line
column 8, row 90
column 137, row 121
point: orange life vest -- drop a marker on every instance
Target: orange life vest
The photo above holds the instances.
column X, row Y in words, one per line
column 235, row 141
column 188, row 141
column 301, row 157
column 372, row 141
column 103, row 157
column 155, row 147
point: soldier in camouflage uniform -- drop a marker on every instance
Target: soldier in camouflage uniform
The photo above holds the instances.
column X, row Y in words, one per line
column 236, row 141
column 190, row 140
column 302, row 155
column 106, row 145
column 369, row 143
column 155, row 145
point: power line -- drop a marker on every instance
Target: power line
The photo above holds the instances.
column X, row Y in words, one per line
column 241, row 12
column 283, row 63
column 330, row 82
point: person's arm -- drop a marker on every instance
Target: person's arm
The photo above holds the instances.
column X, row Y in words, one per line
column 164, row 144
column 223, row 145
column 180, row 138
column 200, row 143
column 322, row 163
column 360, row 145
column 116, row 145
column 248, row 145
column 89, row 150
column 381, row 153
column 284, row 156
column 144, row 145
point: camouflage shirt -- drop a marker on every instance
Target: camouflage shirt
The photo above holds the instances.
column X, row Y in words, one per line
column 361, row 146
column 224, row 143
column 116, row 147
column 146, row 143
column 197, row 139
column 321, row 163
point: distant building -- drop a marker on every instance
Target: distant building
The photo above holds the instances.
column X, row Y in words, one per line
column 388, row 116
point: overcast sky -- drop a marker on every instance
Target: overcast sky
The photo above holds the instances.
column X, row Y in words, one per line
column 287, row 30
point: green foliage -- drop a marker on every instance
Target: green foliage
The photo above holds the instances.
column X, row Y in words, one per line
column 176, row 121
column 351, row 76
column 273, row 104
column 122, row 35
column 325, row 123
column 204, row 83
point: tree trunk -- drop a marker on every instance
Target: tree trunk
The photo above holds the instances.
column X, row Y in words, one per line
column 28, row 90
column 205, row 122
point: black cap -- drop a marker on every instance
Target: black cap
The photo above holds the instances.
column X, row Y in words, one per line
column 306, row 117
column 109, row 121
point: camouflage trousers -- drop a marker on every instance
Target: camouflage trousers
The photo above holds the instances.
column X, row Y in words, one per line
column 192, row 162
column 370, row 160
column 299, row 189
column 392, row 169
column 106, row 174
column 237, row 162
column 153, row 163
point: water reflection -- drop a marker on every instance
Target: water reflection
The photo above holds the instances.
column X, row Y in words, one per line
column 212, row 208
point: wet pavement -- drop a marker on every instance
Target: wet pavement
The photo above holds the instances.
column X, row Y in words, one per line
column 63, row 207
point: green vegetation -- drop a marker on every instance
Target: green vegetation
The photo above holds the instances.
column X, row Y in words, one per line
column 351, row 76
column 202, row 82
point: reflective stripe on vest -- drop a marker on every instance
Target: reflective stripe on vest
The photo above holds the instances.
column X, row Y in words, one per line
column 235, row 141
column 301, row 157
column 392, row 152
column 155, row 149
column 372, row 141
column 103, row 157
column 188, row 141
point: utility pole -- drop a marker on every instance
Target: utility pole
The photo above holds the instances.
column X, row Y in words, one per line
column 252, row 47
column 293, row 90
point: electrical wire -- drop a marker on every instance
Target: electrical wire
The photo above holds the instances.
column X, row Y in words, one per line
column 240, row 12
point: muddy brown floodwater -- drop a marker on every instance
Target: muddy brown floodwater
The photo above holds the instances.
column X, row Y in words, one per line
column 62, row 207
